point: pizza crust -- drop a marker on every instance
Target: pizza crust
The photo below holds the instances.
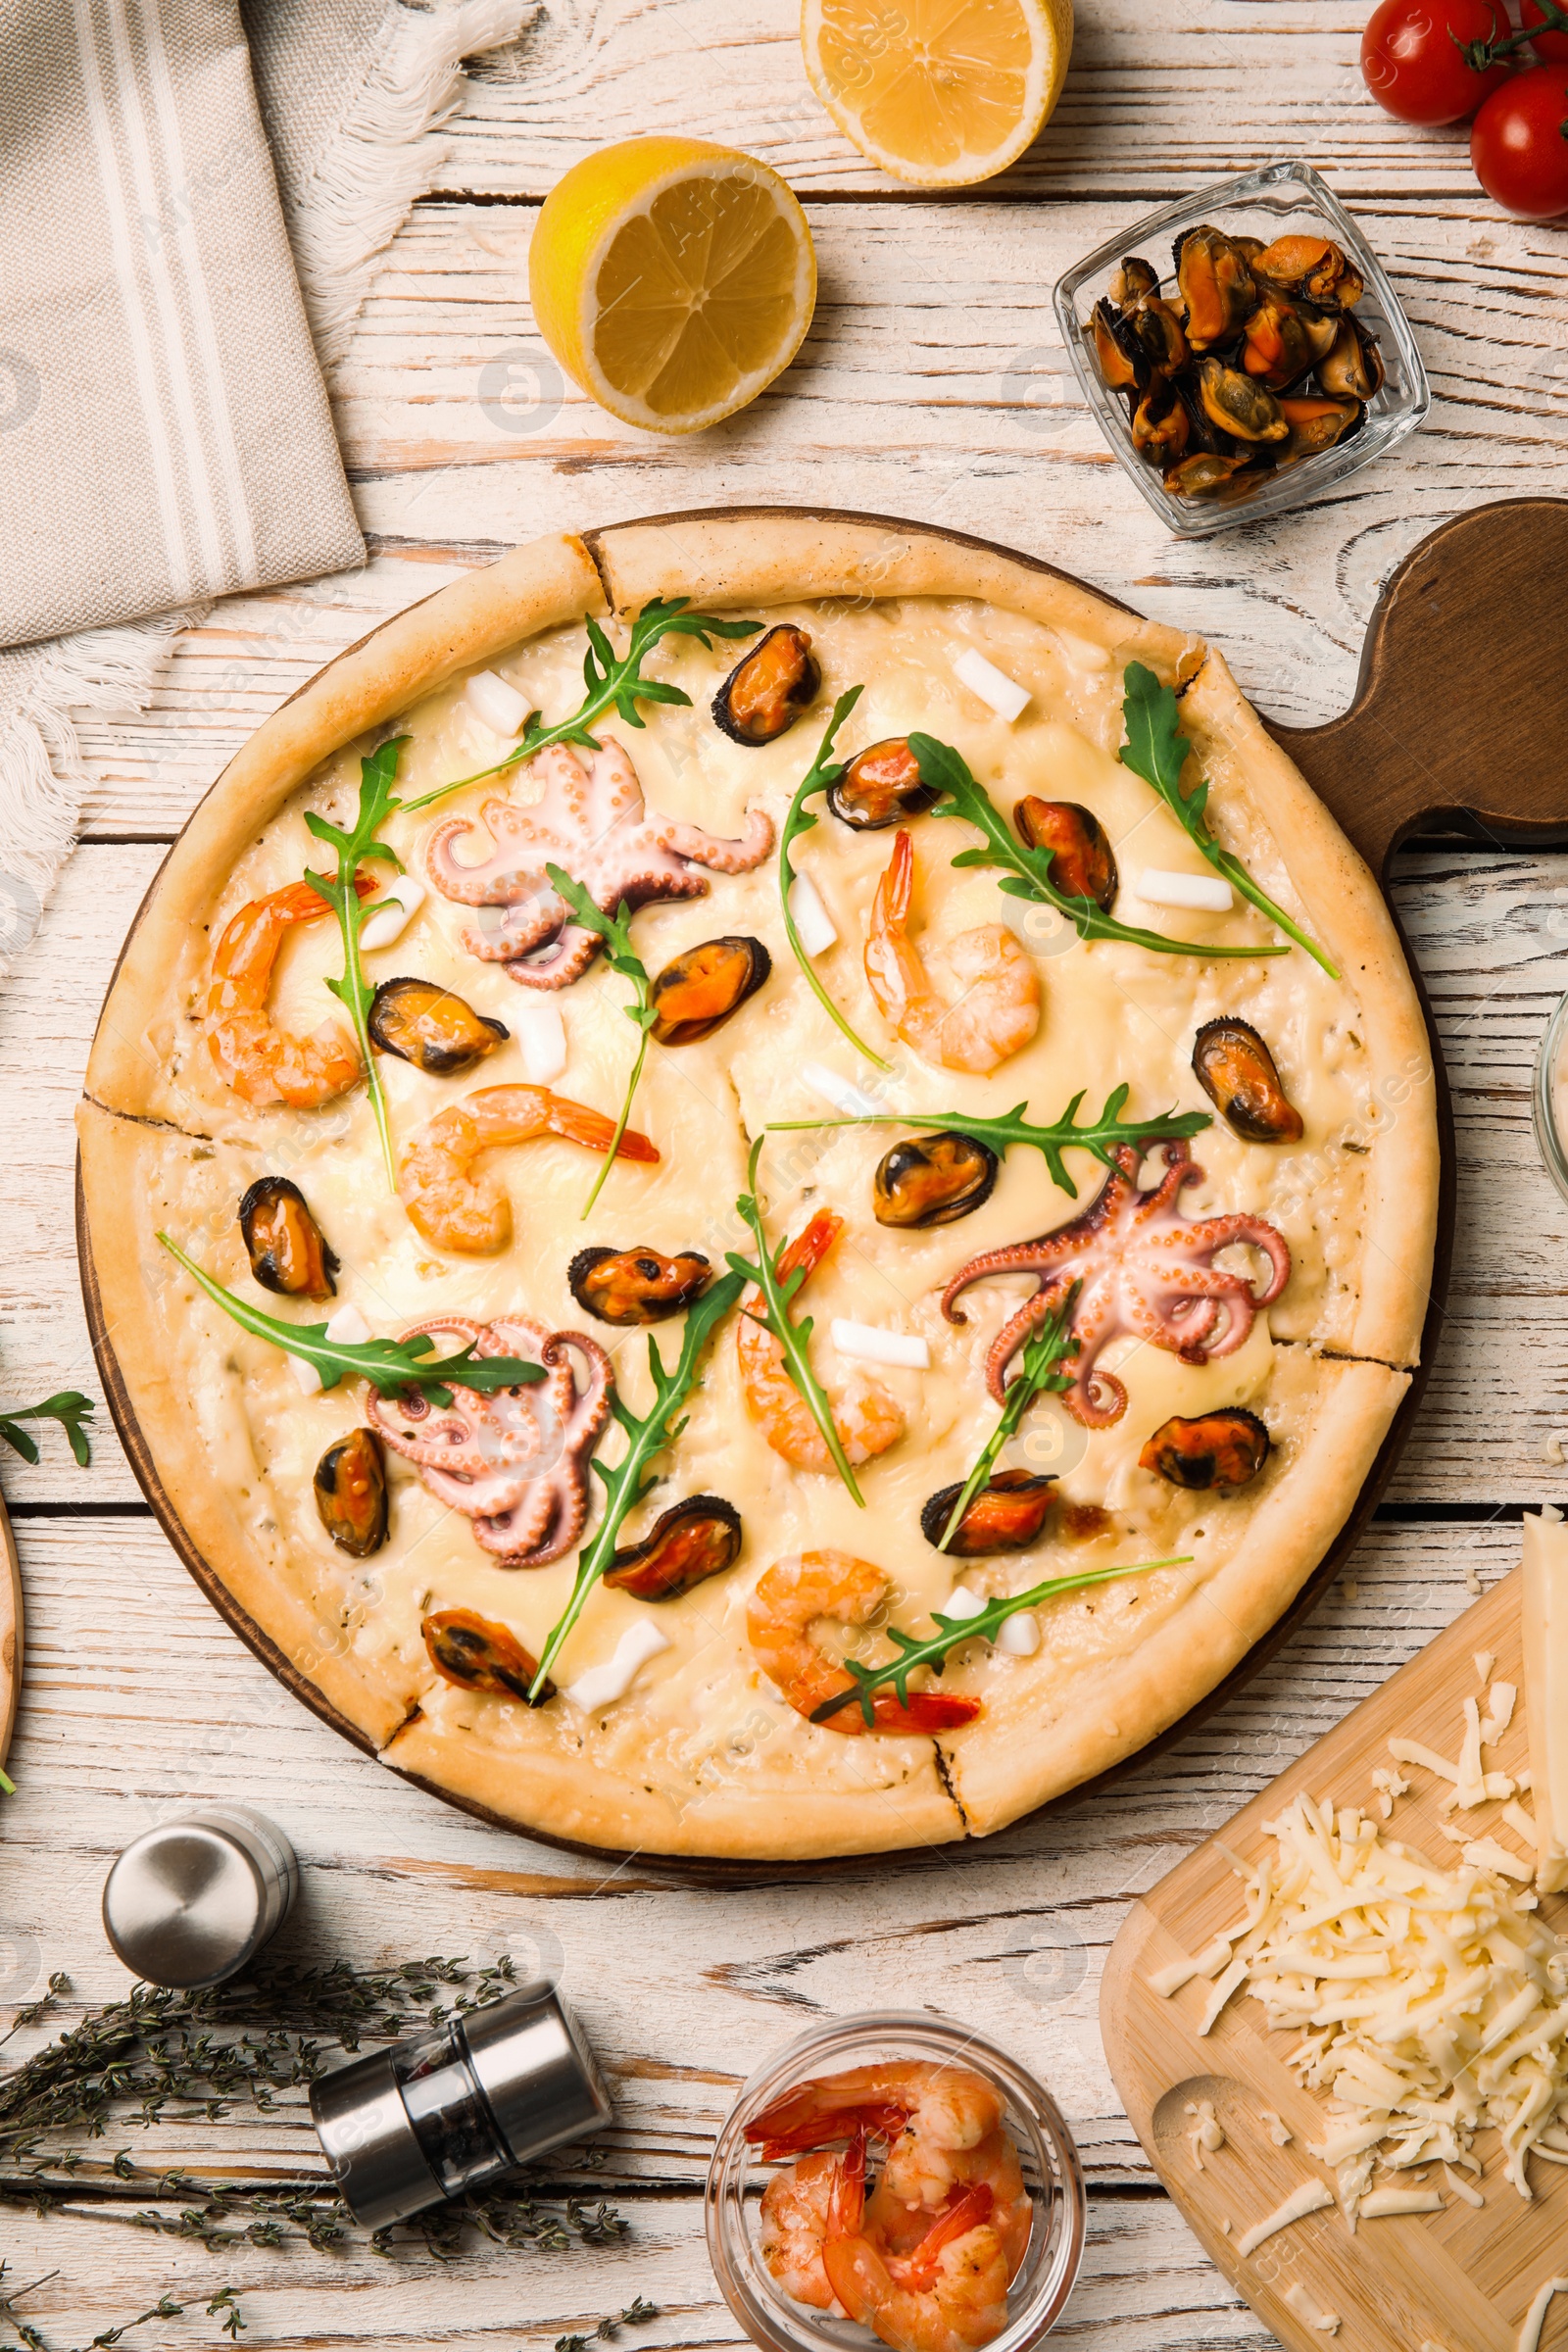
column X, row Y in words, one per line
column 238, row 1569
column 460, row 628
column 519, row 1772
column 1040, row 1750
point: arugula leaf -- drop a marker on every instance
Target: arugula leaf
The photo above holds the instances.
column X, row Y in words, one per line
column 1157, row 749
column 615, row 931
column 945, row 772
column 649, row 1434
column 377, row 774
column 823, row 771
column 615, row 682
column 793, row 1338
column 387, row 1364
column 952, row 1631
column 1052, row 1345
column 1099, row 1136
column 70, row 1408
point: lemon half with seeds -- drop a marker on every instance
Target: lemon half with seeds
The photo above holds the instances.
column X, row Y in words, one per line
column 672, row 279
column 938, row 92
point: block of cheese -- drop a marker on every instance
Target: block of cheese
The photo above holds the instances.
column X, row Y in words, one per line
column 1545, row 1630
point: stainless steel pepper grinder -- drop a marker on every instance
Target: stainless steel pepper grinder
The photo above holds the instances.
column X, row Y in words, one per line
column 192, row 1901
column 448, row 2110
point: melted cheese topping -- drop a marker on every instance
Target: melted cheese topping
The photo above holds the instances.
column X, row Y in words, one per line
column 700, row 1712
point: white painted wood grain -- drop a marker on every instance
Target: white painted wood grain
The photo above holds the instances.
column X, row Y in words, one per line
column 932, row 386
column 1154, row 102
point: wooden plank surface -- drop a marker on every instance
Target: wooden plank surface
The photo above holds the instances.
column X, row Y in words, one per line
column 933, row 385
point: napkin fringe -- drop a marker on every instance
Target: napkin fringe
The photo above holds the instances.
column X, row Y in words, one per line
column 43, row 778
column 375, row 165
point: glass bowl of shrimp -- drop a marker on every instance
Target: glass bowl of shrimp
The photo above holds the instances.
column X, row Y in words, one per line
column 898, row 2178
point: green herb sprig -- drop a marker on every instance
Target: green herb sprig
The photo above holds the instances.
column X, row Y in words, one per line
column 952, row 1631
column 1157, row 749
column 1039, row 1375
column 615, row 931
column 354, row 846
column 794, row 1339
column 70, row 1408
column 387, row 1364
column 944, row 770
column 1099, row 1136
column 823, row 771
column 648, row 1434
column 615, row 682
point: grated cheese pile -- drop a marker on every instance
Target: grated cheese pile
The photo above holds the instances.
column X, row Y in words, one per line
column 1433, row 2005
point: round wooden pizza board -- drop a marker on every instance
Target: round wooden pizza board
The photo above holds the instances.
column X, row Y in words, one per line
column 1405, row 759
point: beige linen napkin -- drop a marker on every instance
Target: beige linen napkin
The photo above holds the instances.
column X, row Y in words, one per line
column 164, row 432
column 176, row 441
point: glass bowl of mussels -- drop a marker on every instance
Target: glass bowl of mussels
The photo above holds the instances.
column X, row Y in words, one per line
column 1243, row 350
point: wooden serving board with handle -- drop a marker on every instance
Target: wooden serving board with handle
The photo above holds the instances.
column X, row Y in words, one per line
column 1462, row 2279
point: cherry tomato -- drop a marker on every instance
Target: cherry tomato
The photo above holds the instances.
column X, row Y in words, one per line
column 1550, row 47
column 1519, row 145
column 1413, row 62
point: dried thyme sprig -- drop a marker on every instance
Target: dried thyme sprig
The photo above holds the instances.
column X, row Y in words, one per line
column 161, row 2055
column 637, row 2314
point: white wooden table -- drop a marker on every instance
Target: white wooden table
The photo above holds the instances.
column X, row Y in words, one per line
column 932, row 386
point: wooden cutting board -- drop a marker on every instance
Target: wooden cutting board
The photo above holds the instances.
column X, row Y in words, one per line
column 1462, row 2279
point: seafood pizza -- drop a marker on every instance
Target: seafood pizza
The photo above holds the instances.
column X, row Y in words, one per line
column 758, row 1187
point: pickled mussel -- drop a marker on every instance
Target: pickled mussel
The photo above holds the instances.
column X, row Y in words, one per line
column 697, row 990
column 1316, row 424
column 1236, row 1071
column 1239, row 405
column 1205, row 474
column 1122, row 361
column 350, row 1484
column 628, row 1287
column 933, row 1180
column 768, row 690
column 1134, row 280
column 689, row 1542
column 1254, row 363
column 478, row 1655
column 1216, row 1449
column 284, row 1242
column 422, row 1023
column 1083, row 863
column 881, row 787
column 1314, row 266
column 1161, row 424
column 1215, row 282
column 1352, row 367
column 1285, row 339
column 1005, row 1515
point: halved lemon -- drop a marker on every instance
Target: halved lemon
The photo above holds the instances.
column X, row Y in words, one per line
column 672, row 279
column 940, row 93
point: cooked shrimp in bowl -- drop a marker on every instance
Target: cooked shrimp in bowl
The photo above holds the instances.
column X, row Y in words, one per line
column 925, row 2256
